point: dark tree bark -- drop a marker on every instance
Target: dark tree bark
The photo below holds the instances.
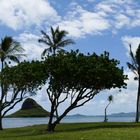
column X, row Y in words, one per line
column 105, row 119
column 138, row 102
column 50, row 125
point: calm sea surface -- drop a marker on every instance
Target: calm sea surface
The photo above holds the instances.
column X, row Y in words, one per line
column 20, row 122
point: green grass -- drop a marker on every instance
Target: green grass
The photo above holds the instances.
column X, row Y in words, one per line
column 77, row 131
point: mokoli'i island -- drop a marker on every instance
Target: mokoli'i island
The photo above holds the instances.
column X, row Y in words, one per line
column 30, row 109
column 69, row 69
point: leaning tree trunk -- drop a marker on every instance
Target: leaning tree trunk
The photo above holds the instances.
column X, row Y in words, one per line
column 105, row 119
column 52, row 126
column 138, row 102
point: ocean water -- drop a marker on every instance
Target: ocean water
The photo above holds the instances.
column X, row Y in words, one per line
column 21, row 122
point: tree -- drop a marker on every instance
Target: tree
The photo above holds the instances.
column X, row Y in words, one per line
column 76, row 78
column 10, row 50
column 110, row 99
column 20, row 82
column 55, row 41
column 134, row 66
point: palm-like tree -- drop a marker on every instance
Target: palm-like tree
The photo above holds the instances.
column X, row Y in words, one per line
column 134, row 66
column 110, row 99
column 10, row 50
column 55, row 40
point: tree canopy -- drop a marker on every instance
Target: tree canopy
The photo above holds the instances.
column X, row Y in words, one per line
column 78, row 78
column 19, row 81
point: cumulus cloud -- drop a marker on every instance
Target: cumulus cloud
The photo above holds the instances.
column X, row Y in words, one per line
column 120, row 13
column 79, row 22
column 29, row 42
column 133, row 40
column 125, row 101
column 104, row 15
column 18, row 14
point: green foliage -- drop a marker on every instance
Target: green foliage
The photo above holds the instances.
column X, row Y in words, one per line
column 110, row 98
column 26, row 75
column 76, row 70
column 79, row 78
column 55, row 41
column 10, row 49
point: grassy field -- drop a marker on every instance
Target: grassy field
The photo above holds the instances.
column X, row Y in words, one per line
column 77, row 131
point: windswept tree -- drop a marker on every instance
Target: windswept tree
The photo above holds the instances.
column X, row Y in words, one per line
column 20, row 82
column 76, row 78
column 56, row 40
column 134, row 66
column 110, row 100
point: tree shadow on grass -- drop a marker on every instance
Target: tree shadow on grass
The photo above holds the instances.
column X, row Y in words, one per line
column 98, row 126
column 19, row 133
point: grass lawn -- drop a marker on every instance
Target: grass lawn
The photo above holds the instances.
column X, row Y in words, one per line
column 77, row 131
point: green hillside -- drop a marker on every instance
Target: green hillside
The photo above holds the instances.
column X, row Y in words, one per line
column 30, row 109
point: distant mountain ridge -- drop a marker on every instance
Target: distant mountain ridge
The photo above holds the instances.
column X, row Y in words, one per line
column 121, row 114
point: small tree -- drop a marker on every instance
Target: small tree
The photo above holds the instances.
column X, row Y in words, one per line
column 134, row 66
column 76, row 78
column 110, row 99
column 20, row 82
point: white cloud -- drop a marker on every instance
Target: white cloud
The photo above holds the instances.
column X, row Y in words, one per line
column 121, row 13
column 125, row 101
column 18, row 14
column 114, row 15
column 79, row 22
column 29, row 42
column 105, row 15
column 121, row 20
column 133, row 40
column 104, row 7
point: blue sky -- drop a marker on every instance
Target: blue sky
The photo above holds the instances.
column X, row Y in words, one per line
column 95, row 25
